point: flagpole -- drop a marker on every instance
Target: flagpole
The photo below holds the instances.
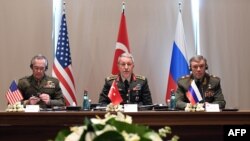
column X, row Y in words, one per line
column 57, row 15
column 123, row 7
column 64, row 6
column 180, row 7
column 195, row 16
column 195, row 38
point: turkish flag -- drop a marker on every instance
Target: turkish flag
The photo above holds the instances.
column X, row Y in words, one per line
column 122, row 44
column 114, row 94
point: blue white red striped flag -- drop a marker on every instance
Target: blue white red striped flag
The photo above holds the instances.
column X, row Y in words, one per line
column 13, row 94
column 193, row 94
column 62, row 67
column 122, row 44
column 179, row 63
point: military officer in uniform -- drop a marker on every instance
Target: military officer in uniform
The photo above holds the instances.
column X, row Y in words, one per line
column 208, row 85
column 133, row 88
column 40, row 89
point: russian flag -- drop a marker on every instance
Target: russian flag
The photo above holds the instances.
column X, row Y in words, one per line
column 179, row 63
column 193, row 94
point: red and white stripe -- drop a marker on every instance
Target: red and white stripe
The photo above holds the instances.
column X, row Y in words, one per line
column 14, row 96
column 66, row 79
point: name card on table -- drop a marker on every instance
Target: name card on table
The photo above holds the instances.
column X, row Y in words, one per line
column 32, row 108
column 212, row 107
column 130, row 108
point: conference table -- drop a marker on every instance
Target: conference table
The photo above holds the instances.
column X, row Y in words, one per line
column 44, row 125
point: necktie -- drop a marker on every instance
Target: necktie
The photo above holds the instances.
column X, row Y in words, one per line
column 126, row 86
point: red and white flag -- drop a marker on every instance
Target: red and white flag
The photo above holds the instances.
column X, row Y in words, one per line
column 122, row 44
column 114, row 94
column 62, row 67
column 13, row 95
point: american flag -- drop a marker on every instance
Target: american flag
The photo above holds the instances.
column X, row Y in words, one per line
column 122, row 44
column 13, row 95
column 62, row 68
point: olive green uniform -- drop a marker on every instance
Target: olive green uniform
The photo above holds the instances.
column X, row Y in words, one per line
column 138, row 91
column 30, row 87
column 208, row 81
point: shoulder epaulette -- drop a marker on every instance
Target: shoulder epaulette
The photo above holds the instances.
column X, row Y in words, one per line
column 140, row 77
column 214, row 76
column 112, row 77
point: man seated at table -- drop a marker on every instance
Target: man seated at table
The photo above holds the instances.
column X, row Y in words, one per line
column 208, row 85
column 39, row 88
column 133, row 88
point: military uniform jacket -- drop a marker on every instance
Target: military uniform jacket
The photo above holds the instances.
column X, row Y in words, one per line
column 29, row 87
column 138, row 91
column 208, row 81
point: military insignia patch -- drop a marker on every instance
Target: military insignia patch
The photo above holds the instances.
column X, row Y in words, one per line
column 137, row 87
column 50, row 84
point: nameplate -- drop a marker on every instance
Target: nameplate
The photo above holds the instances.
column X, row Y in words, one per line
column 130, row 108
column 32, row 108
column 212, row 107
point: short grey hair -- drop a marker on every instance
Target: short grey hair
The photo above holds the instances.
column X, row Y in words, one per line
column 127, row 55
column 39, row 57
column 198, row 58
